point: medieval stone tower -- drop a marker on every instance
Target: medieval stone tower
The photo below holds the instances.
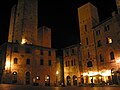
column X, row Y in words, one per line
column 24, row 22
column 88, row 17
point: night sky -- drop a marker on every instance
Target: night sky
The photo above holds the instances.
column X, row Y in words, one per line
column 59, row 15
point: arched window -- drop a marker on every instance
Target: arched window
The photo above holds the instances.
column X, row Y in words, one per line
column 112, row 55
column 27, row 77
column 89, row 64
column 101, row 58
column 15, row 61
column 68, row 79
column 74, row 80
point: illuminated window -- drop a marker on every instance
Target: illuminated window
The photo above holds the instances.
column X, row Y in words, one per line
column 15, row 61
column 112, row 55
column 109, row 40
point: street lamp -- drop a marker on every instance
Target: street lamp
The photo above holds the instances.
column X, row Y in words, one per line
column 57, row 77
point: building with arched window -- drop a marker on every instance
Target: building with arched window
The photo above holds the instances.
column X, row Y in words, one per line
column 27, row 57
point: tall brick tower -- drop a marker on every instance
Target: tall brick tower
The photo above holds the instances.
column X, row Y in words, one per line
column 88, row 17
column 24, row 22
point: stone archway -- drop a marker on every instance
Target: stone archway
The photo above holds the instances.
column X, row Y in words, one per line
column 68, row 79
column 27, row 78
column 74, row 80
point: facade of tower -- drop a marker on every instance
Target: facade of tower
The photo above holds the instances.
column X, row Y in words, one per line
column 24, row 22
column 44, row 36
column 88, row 17
column 24, row 59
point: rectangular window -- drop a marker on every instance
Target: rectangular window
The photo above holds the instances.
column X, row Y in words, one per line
column 67, row 52
column 71, row 62
column 49, row 53
column 86, row 41
column 41, row 62
column 97, row 32
column 99, row 43
column 41, row 52
column 88, row 54
column 106, row 28
column 49, row 62
column 28, row 61
column 101, row 58
column 66, row 63
column 15, row 60
column 16, row 49
column 27, row 50
column 85, row 27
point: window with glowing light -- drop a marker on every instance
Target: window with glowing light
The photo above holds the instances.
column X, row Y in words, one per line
column 109, row 40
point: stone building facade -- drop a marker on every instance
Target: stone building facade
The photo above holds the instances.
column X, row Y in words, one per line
column 98, row 56
column 27, row 57
column 72, row 70
column 99, row 45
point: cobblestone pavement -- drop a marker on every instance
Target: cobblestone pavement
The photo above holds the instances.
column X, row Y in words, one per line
column 29, row 87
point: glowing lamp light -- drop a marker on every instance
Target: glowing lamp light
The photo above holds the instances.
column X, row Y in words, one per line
column 118, row 61
column 23, row 41
column 7, row 66
column 57, row 72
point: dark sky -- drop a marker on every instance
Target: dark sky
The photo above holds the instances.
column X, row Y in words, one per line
column 60, row 16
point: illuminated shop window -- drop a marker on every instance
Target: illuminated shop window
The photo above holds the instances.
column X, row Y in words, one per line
column 109, row 40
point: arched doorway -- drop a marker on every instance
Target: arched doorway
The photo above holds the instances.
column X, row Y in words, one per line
column 74, row 80
column 14, row 74
column 68, row 80
column 47, row 80
column 27, row 78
